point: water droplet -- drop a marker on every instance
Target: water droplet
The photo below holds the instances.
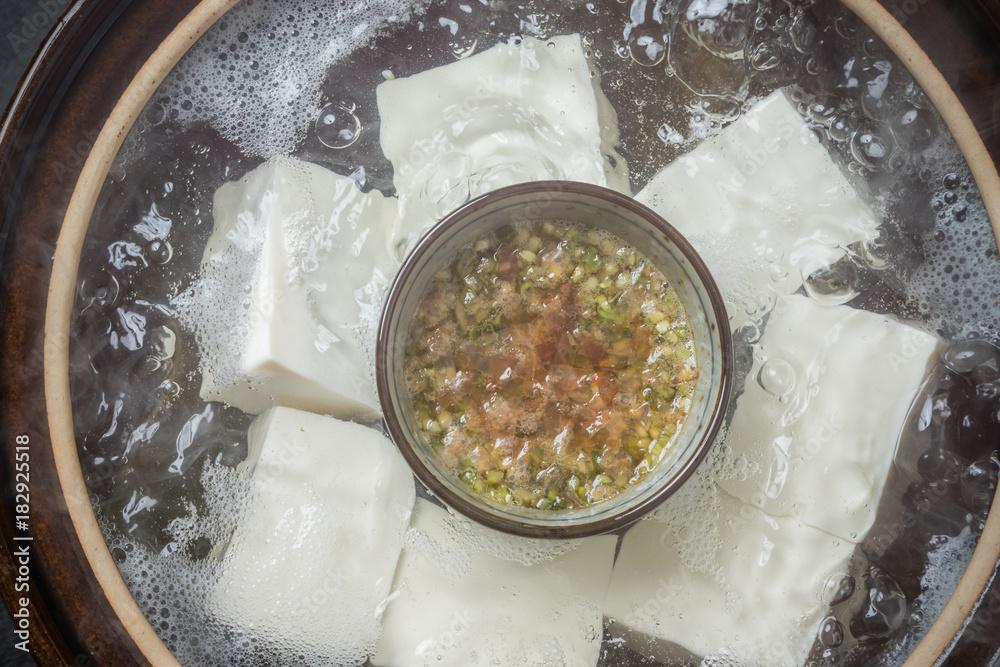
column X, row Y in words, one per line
column 708, row 55
column 765, row 55
column 979, row 483
column 879, row 607
column 777, row 377
column 805, row 37
column 896, row 162
column 872, row 47
column 170, row 389
column 877, row 106
column 840, row 129
column 844, row 590
column 916, row 95
column 966, row 355
column 155, row 113
column 646, row 44
column 874, row 252
column 832, row 632
column 337, row 126
column 845, row 28
column 721, row 108
column 833, row 283
column 869, row 148
column 912, row 128
column 162, row 347
column 937, row 463
column 159, row 252
column 822, row 110
column 99, row 291
column 464, row 49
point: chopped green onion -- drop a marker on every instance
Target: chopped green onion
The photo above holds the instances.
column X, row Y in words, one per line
column 591, row 260
column 607, row 314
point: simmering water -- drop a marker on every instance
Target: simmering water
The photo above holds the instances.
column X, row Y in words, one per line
column 276, row 78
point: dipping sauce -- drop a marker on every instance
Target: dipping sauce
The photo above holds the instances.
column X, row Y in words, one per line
column 550, row 366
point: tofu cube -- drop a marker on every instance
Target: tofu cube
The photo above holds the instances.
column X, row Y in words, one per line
column 815, row 430
column 755, row 591
column 318, row 256
column 311, row 563
column 763, row 203
column 454, row 604
column 521, row 111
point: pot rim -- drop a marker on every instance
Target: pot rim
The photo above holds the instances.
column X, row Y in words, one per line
column 66, row 261
column 59, row 308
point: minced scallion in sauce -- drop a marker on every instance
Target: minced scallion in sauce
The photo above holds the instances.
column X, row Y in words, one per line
column 550, row 366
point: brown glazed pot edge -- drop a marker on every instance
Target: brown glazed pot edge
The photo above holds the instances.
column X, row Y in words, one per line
column 71, row 86
column 72, row 622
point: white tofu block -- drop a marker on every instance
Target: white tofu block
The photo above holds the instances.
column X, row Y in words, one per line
column 522, row 111
column 757, row 594
column 818, row 446
column 763, row 203
column 312, row 562
column 456, row 606
column 322, row 253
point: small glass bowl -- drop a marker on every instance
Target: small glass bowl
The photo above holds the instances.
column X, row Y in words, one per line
column 589, row 206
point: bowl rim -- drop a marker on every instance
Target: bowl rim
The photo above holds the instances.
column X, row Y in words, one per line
column 976, row 577
column 423, row 251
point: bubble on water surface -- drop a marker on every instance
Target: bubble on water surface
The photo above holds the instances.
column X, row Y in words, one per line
column 869, row 148
column 159, row 252
column 99, row 291
column 337, row 126
column 765, row 55
column 822, row 110
column 967, row 355
column 831, row 632
column 646, row 44
column 465, row 48
column 913, row 128
column 879, row 607
column 832, row 283
column 777, row 377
